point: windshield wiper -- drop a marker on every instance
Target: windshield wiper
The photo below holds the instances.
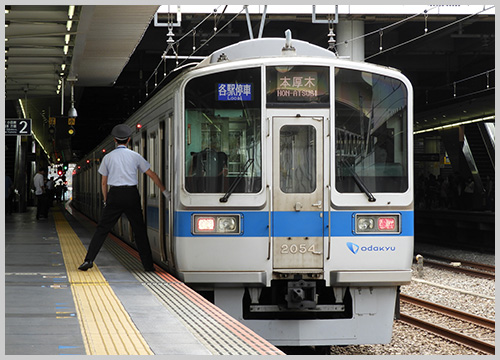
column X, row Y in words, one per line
column 359, row 182
column 237, row 181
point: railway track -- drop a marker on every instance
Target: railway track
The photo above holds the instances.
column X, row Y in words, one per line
column 467, row 267
column 452, row 335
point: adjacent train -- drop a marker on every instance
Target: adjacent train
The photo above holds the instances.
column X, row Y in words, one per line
column 290, row 173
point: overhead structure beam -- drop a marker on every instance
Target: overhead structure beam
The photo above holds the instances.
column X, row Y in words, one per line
column 262, row 22
column 250, row 31
column 316, row 21
column 112, row 33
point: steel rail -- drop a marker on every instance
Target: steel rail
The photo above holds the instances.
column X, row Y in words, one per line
column 472, row 272
column 449, row 334
column 485, row 267
column 471, row 318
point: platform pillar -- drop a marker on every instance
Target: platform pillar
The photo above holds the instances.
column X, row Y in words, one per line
column 346, row 31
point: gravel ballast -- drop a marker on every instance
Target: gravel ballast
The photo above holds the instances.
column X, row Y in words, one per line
column 458, row 291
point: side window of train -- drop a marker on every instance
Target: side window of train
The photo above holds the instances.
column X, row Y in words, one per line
column 371, row 135
column 137, row 148
column 153, row 160
column 223, row 132
column 167, row 141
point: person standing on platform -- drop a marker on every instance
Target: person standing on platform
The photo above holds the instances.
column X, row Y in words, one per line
column 9, row 190
column 50, row 192
column 58, row 190
column 469, row 195
column 119, row 171
column 39, row 184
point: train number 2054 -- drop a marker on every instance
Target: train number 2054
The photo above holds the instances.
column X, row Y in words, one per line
column 299, row 248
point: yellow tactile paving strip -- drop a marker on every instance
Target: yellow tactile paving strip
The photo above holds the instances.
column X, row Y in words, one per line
column 106, row 327
column 217, row 331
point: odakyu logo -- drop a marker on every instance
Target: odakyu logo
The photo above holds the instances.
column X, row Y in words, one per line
column 355, row 248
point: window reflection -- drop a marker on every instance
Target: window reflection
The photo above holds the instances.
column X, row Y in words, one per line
column 370, row 132
column 223, row 132
column 297, row 159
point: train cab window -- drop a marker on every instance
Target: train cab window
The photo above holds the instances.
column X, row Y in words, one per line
column 371, row 135
column 297, row 159
column 223, row 132
column 297, row 86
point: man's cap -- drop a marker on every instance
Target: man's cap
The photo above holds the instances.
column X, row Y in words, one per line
column 121, row 132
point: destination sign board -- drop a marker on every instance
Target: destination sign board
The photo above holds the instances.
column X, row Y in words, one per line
column 297, row 86
column 234, row 92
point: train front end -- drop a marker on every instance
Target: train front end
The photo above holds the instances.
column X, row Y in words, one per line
column 294, row 205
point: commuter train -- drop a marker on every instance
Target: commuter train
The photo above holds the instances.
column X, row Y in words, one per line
column 291, row 188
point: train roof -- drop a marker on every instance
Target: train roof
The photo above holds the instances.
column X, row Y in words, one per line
column 266, row 47
column 273, row 47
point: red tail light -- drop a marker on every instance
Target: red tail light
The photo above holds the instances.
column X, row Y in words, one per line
column 387, row 223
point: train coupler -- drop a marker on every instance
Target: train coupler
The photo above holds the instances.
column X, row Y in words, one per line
column 301, row 295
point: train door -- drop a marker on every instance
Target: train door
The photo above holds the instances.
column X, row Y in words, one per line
column 167, row 177
column 137, row 146
column 298, row 194
column 153, row 194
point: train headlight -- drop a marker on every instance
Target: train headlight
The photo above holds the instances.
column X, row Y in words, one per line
column 203, row 224
column 226, row 224
column 378, row 223
column 365, row 224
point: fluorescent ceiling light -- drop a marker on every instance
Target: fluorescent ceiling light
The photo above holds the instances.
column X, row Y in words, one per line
column 443, row 127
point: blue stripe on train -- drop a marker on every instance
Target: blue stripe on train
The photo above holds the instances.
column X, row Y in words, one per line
column 292, row 223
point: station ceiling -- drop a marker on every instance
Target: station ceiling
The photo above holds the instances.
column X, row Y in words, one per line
column 114, row 50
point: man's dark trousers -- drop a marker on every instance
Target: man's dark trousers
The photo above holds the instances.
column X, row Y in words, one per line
column 42, row 209
column 122, row 199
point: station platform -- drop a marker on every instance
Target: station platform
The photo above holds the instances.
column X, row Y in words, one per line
column 472, row 230
column 115, row 308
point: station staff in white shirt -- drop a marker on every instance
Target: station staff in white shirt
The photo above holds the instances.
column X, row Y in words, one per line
column 42, row 209
column 119, row 172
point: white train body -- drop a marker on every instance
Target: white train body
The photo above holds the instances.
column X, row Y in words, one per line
column 296, row 250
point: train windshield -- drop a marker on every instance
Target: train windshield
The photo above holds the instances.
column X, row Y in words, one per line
column 223, row 132
column 371, row 149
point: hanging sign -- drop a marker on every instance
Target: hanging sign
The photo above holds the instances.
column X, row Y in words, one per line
column 20, row 127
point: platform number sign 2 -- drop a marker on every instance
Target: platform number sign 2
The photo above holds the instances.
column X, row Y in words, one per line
column 21, row 127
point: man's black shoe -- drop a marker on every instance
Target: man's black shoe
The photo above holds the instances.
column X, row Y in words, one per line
column 150, row 269
column 86, row 265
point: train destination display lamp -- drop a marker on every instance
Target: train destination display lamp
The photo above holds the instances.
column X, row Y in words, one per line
column 234, row 92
